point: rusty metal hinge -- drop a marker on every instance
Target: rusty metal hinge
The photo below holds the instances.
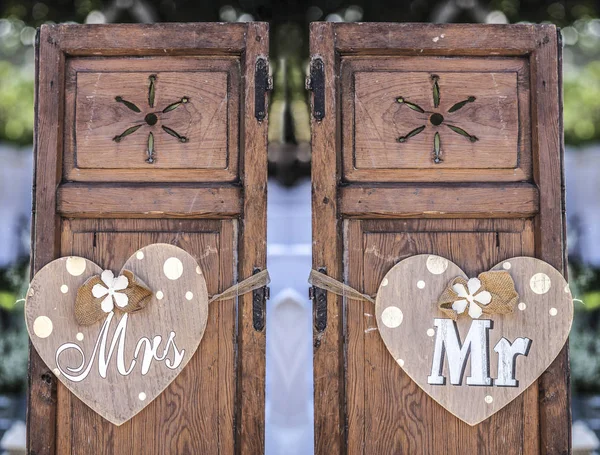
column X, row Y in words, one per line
column 262, row 84
column 315, row 82
column 259, row 304
column 319, row 298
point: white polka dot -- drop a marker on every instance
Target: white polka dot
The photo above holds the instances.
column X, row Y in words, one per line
column 198, row 270
column 553, row 311
column 392, row 317
column 488, row 399
column 56, row 372
column 79, row 336
column 142, row 396
column 506, row 266
column 173, row 268
column 437, row 264
column 189, row 295
column 430, row 332
column 42, row 326
column 64, row 289
column 522, row 306
column 540, row 283
column 75, row 265
column 421, row 284
column 400, row 362
column 139, row 255
column 384, row 282
column 159, row 295
column 567, row 289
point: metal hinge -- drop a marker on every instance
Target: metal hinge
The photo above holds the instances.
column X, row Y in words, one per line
column 315, row 82
column 262, row 84
column 319, row 298
column 259, row 303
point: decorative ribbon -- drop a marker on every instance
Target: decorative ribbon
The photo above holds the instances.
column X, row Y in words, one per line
column 101, row 294
column 323, row 281
column 490, row 293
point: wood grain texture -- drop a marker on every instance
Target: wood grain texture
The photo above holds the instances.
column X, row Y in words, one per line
column 201, row 120
column 545, row 320
column 252, row 253
column 41, row 401
column 381, row 121
column 555, row 409
column 178, row 307
column 155, row 39
column 491, row 201
column 436, row 39
column 370, row 380
column 203, row 410
column 399, row 416
column 327, row 248
column 209, row 120
column 99, row 201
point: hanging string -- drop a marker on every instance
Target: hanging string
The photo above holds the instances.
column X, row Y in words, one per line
column 323, row 281
column 261, row 279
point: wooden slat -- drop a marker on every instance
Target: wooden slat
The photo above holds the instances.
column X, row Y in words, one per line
column 154, row 39
column 435, row 39
column 327, row 249
column 253, row 242
column 41, row 406
column 483, row 201
column 96, row 201
column 554, row 393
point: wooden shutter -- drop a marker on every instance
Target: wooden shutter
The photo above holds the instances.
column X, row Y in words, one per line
column 100, row 193
column 379, row 196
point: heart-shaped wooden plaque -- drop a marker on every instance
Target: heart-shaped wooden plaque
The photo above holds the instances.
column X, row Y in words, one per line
column 122, row 362
column 475, row 366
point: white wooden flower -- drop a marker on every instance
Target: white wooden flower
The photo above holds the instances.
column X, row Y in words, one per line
column 110, row 291
column 472, row 296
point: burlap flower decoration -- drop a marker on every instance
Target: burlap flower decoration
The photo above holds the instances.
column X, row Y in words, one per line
column 490, row 293
column 99, row 294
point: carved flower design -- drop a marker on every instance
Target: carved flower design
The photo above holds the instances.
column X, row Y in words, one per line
column 436, row 118
column 472, row 296
column 109, row 290
column 151, row 118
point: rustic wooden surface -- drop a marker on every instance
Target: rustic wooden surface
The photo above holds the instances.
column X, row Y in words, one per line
column 202, row 120
column 383, row 411
column 50, row 318
column 210, row 121
column 77, row 199
column 545, row 320
column 206, row 399
column 250, row 431
column 401, row 162
column 327, row 249
column 379, row 120
column 433, row 201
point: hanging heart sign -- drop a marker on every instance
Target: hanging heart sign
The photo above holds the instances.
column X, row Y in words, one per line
column 118, row 340
column 474, row 344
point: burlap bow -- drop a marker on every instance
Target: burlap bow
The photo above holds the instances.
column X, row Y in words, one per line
column 490, row 293
column 101, row 294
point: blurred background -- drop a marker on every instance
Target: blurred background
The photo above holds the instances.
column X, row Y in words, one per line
column 289, row 385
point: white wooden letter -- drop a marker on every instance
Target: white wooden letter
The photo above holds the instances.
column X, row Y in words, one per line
column 447, row 342
column 507, row 360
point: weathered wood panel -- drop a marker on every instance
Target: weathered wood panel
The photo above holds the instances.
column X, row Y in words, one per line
column 388, row 207
column 216, row 405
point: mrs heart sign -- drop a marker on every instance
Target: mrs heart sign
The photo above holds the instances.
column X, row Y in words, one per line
column 118, row 340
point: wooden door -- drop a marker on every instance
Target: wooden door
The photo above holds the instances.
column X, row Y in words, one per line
column 478, row 184
column 145, row 134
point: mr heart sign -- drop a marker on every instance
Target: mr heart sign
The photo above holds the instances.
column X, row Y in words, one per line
column 473, row 343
